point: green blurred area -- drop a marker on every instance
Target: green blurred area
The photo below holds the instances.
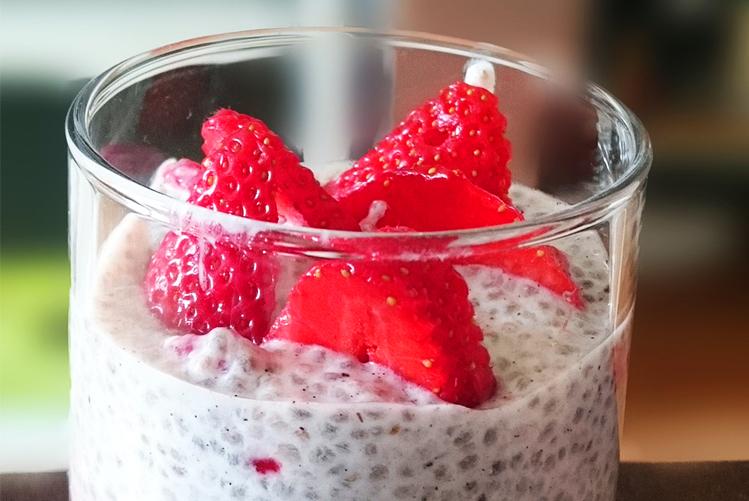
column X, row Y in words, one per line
column 34, row 269
column 33, row 330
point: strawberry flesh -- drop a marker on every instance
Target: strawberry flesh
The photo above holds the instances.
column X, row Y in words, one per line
column 428, row 199
column 545, row 265
column 414, row 318
column 301, row 200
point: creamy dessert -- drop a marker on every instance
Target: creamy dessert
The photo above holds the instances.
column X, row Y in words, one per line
column 172, row 400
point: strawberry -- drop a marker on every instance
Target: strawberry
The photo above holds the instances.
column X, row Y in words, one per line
column 197, row 285
column 545, row 265
column 239, row 171
column 414, row 318
column 427, row 198
column 302, row 201
column 222, row 124
column 460, row 130
column 426, row 169
column 432, row 199
column 296, row 196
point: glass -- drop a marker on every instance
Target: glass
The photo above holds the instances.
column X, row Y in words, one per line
column 156, row 415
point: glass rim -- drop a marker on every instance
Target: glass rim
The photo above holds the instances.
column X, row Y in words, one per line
column 170, row 211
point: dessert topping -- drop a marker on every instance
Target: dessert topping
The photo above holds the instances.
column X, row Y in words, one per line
column 461, row 130
column 413, row 317
column 427, row 198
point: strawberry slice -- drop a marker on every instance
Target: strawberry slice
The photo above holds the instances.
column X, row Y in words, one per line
column 302, row 201
column 298, row 197
column 432, row 199
column 196, row 285
column 545, row 265
column 460, row 130
column 220, row 125
column 428, row 198
column 414, row 318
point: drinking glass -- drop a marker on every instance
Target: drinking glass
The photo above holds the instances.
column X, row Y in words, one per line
column 160, row 414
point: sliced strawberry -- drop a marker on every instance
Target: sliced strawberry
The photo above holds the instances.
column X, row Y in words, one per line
column 414, row 318
column 447, row 201
column 301, row 200
column 444, row 200
column 196, row 285
column 287, row 213
column 220, row 125
column 460, row 130
column 297, row 196
column 427, row 198
column 545, row 265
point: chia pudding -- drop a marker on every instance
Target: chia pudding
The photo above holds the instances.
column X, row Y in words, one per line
column 160, row 414
column 205, row 368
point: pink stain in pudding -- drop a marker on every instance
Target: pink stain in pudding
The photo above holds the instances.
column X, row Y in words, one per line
column 265, row 466
column 183, row 347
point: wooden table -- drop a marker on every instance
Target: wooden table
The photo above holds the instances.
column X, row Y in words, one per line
column 722, row 481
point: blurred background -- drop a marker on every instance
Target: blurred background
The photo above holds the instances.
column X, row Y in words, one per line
column 681, row 65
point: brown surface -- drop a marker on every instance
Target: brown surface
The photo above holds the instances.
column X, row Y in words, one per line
column 725, row 481
column 34, row 486
column 552, row 31
column 637, row 482
column 688, row 395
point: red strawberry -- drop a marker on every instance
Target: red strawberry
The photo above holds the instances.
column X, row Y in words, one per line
column 222, row 124
column 428, row 198
column 545, row 265
column 414, row 318
column 240, row 173
column 197, row 285
column 444, row 200
column 295, row 194
column 460, row 130
column 302, row 201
